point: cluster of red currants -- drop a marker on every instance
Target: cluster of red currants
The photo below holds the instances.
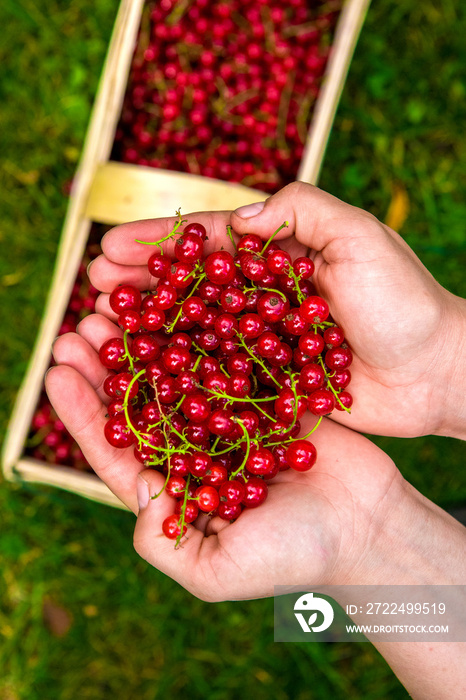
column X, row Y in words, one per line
column 217, row 366
column 226, row 89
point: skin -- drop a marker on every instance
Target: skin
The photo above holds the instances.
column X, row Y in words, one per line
column 352, row 519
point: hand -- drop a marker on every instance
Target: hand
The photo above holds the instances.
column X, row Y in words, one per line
column 405, row 330
column 314, row 527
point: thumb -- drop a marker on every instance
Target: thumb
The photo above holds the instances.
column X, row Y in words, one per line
column 149, row 541
column 314, row 216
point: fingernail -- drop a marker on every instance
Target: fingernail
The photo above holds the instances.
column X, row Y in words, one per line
column 45, row 375
column 250, row 210
column 89, row 267
column 143, row 492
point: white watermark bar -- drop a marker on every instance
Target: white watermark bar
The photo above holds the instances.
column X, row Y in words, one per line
column 370, row 613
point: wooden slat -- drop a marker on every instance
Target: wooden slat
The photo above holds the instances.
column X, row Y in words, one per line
column 83, row 483
column 122, row 192
column 346, row 36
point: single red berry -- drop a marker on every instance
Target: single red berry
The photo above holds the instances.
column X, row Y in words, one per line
column 303, row 268
column 294, row 323
column 260, row 462
column 208, row 320
column 165, row 297
column 338, row 358
column 229, row 511
column 221, row 422
column 180, row 275
column 176, row 359
column 311, row 343
column 154, row 371
column 252, row 266
column 181, row 340
column 314, row 310
column 125, row 297
column 251, row 243
column 121, row 383
column 145, row 348
column 207, row 498
column 175, row 486
column 340, row 379
column 153, row 319
column 117, row 432
column 197, row 229
column 159, row 264
column 321, row 402
column 220, row 267
column 171, row 527
column 282, row 357
column 199, row 464
column 111, row 354
column 251, row 325
column 226, row 326
column 344, row 400
column 194, row 308
column 167, row 390
column 334, row 336
column 216, row 475
column 301, row 455
column 287, row 407
column 196, row 408
column 232, row 492
column 233, row 300
column 256, row 491
column 210, row 292
column 240, row 385
column 311, row 377
column 240, row 362
column 187, row 382
column 272, row 307
column 189, row 247
column 130, row 320
column 209, row 340
column 278, row 262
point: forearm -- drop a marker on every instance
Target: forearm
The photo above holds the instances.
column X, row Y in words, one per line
column 420, row 545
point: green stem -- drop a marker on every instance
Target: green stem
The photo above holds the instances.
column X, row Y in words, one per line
column 284, row 225
column 248, row 448
column 230, row 236
column 181, row 521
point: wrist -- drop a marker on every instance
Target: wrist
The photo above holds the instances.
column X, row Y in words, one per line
column 450, row 380
column 410, row 541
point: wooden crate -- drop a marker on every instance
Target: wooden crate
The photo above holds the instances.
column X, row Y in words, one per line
column 112, row 193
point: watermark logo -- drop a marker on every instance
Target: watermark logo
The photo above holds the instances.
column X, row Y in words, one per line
column 310, row 603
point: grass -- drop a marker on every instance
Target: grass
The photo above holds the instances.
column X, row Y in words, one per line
column 397, row 144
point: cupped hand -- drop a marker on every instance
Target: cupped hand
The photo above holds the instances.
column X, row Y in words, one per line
column 405, row 330
column 315, row 527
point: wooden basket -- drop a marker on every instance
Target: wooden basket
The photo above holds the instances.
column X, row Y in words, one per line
column 108, row 192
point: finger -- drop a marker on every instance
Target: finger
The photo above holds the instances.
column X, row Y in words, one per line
column 74, row 351
column 102, row 307
column 316, row 217
column 106, row 275
column 96, row 329
column 120, row 243
column 84, row 416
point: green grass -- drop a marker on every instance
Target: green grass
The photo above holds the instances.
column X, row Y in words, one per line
column 135, row 633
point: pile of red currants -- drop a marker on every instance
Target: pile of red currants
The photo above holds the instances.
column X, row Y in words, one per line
column 227, row 88
column 217, row 366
